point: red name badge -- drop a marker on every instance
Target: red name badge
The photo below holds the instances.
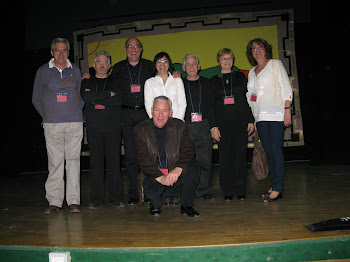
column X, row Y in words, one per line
column 196, row 117
column 61, row 99
column 99, row 107
column 253, row 98
column 135, row 88
column 229, row 100
column 164, row 171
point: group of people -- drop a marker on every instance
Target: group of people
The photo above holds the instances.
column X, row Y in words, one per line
column 167, row 124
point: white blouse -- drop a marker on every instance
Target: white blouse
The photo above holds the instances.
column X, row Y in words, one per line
column 173, row 89
column 272, row 88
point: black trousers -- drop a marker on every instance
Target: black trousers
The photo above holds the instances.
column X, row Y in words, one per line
column 130, row 118
column 232, row 157
column 188, row 182
column 105, row 147
column 199, row 133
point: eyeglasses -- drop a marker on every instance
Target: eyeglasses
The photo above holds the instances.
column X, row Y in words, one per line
column 133, row 46
column 56, row 50
column 191, row 65
column 102, row 62
column 162, row 62
column 226, row 59
column 258, row 48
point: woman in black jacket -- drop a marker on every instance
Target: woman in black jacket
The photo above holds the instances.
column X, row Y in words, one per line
column 231, row 122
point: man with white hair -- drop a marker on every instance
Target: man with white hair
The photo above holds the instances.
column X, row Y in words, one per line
column 57, row 99
column 166, row 157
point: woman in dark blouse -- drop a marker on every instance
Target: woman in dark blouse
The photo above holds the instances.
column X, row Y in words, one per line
column 231, row 122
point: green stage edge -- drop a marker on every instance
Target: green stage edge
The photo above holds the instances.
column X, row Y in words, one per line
column 301, row 250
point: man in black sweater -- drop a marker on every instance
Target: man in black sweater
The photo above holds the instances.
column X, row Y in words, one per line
column 196, row 118
column 102, row 97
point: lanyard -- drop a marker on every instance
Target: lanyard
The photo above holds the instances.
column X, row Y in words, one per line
column 223, row 85
column 166, row 161
column 200, row 95
column 104, row 85
column 138, row 80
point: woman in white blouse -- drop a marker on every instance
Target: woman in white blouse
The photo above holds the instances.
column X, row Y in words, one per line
column 269, row 96
column 163, row 83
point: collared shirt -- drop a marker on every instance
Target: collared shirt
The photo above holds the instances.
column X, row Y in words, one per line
column 51, row 82
column 173, row 89
column 139, row 74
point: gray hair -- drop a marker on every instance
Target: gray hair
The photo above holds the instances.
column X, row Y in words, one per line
column 60, row 40
column 189, row 55
column 163, row 98
column 102, row 53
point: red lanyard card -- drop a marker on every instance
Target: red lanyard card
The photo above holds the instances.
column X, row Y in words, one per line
column 229, row 100
column 100, row 107
column 61, row 98
column 135, row 88
column 164, row 171
column 196, row 117
column 253, row 97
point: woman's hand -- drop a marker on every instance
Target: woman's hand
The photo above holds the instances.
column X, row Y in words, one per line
column 251, row 128
column 287, row 117
column 215, row 133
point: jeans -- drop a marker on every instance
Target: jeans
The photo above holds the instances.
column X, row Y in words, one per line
column 271, row 134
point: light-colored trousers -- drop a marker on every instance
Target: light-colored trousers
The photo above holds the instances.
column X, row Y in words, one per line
column 63, row 142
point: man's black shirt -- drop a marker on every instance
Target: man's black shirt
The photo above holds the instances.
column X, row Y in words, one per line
column 128, row 75
column 193, row 89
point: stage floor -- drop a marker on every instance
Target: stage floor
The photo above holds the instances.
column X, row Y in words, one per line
column 312, row 194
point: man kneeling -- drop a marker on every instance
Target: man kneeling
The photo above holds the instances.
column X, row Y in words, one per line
column 166, row 157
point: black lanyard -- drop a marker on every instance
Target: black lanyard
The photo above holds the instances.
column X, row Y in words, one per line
column 223, row 85
column 104, row 85
column 200, row 95
column 138, row 80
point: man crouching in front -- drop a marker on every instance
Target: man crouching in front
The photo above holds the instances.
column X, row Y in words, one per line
column 166, row 157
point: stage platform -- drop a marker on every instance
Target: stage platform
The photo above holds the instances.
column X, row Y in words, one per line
column 234, row 230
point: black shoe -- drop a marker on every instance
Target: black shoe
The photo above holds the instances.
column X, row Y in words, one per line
column 154, row 211
column 95, row 206
column 241, row 197
column 118, row 204
column 133, row 201
column 189, row 211
column 268, row 199
column 176, row 200
column 228, row 198
column 167, row 201
column 208, row 196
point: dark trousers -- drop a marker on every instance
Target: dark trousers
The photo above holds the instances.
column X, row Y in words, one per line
column 199, row 133
column 105, row 146
column 232, row 158
column 188, row 182
column 271, row 134
column 130, row 118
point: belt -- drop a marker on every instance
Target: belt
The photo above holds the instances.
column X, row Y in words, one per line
column 133, row 107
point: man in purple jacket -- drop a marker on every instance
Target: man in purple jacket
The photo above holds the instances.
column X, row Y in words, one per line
column 56, row 97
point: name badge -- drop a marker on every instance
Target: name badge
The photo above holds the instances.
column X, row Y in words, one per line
column 229, row 100
column 100, row 107
column 135, row 88
column 62, row 97
column 253, row 97
column 196, row 117
column 164, row 171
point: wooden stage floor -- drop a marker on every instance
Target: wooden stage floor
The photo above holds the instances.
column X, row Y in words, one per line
column 312, row 194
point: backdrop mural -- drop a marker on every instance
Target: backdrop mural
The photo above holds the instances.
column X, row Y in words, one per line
column 202, row 36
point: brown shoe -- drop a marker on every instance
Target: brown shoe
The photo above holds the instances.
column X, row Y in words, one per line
column 74, row 208
column 51, row 209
